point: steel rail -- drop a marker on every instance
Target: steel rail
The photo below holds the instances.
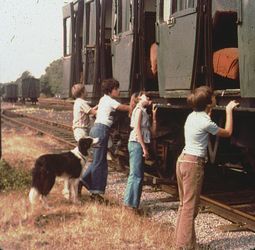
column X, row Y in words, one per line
column 43, row 131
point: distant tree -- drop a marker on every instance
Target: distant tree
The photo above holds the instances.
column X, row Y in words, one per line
column 45, row 87
column 51, row 81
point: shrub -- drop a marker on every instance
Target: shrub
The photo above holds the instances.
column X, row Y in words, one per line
column 12, row 178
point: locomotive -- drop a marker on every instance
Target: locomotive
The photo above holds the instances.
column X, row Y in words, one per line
column 199, row 42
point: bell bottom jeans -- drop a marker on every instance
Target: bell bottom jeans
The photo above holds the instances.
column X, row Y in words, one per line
column 95, row 177
column 190, row 175
column 136, row 173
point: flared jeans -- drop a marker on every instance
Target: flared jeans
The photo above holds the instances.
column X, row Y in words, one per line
column 136, row 173
column 95, row 177
column 190, row 175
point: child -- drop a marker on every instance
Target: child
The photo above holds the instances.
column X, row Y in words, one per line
column 81, row 112
column 139, row 137
column 190, row 164
column 95, row 177
column 81, row 121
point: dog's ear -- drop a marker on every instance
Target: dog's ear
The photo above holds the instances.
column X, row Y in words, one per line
column 84, row 144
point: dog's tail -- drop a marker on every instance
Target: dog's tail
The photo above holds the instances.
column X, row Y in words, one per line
column 33, row 195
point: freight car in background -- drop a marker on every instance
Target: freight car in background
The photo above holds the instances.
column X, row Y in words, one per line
column 200, row 42
column 10, row 92
column 29, row 90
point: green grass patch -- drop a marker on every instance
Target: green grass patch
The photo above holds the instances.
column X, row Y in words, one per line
column 13, row 178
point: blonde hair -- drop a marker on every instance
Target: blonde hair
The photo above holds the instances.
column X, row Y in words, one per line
column 77, row 90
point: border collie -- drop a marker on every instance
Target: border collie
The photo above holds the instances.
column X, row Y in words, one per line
column 68, row 165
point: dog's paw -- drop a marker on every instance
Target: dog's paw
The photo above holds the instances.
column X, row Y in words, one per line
column 66, row 194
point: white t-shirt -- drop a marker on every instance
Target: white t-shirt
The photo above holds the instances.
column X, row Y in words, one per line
column 196, row 130
column 106, row 105
column 81, row 111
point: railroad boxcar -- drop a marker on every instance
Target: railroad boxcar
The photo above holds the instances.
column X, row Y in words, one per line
column 10, row 92
column 199, row 42
column 29, row 89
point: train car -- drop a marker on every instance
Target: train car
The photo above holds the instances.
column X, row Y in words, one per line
column 29, row 89
column 199, row 42
column 10, row 92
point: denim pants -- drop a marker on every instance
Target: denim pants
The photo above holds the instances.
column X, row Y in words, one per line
column 190, row 175
column 136, row 173
column 95, row 177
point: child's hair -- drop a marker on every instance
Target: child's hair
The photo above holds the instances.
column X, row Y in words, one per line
column 134, row 99
column 200, row 98
column 77, row 90
column 109, row 84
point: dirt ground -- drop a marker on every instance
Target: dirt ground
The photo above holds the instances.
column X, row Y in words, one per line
column 65, row 225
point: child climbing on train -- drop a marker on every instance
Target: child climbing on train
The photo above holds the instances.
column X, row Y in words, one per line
column 137, row 146
column 95, row 177
column 81, row 122
column 81, row 112
column 191, row 162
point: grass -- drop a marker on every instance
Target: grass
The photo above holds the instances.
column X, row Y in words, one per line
column 65, row 226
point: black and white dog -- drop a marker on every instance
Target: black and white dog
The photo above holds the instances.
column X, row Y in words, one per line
column 68, row 165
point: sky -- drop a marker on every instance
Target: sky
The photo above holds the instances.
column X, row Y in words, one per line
column 31, row 34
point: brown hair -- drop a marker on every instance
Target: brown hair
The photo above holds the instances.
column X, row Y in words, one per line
column 200, row 98
column 77, row 90
column 109, row 84
column 134, row 99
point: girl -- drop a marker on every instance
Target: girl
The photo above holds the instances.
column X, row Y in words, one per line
column 190, row 164
column 95, row 177
column 139, row 137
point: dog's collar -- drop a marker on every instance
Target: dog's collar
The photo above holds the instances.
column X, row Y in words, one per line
column 78, row 154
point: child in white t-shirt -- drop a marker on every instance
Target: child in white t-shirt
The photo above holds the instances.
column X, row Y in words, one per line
column 95, row 177
column 81, row 112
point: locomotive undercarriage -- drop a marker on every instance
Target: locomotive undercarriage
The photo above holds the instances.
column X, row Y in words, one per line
column 236, row 153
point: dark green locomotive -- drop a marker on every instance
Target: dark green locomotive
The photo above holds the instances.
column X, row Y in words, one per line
column 199, row 42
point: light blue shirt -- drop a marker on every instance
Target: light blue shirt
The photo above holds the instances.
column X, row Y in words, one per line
column 197, row 128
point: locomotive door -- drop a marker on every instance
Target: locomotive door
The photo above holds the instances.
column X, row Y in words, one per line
column 176, row 36
column 68, row 59
column 246, row 46
column 123, row 42
column 91, row 47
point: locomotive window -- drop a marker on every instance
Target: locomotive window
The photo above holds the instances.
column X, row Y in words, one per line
column 92, row 23
column 166, row 8
column 185, row 4
column 123, row 16
column 67, row 36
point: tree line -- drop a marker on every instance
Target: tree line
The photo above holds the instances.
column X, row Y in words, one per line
column 50, row 82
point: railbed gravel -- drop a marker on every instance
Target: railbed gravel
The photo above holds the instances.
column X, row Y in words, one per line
column 207, row 224
column 209, row 236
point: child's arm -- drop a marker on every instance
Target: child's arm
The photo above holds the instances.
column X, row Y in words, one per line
column 123, row 107
column 139, row 134
column 227, row 131
column 93, row 111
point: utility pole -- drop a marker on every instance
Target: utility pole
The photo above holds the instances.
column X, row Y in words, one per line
column 0, row 126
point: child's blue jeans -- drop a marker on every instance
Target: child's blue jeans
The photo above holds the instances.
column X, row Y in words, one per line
column 136, row 173
column 95, row 177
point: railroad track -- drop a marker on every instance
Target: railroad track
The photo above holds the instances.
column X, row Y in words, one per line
column 60, row 132
column 237, row 207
